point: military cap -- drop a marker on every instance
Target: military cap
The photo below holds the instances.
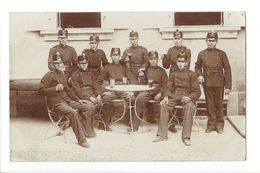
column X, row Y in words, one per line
column 178, row 34
column 212, row 34
column 94, row 37
column 115, row 50
column 82, row 58
column 133, row 34
column 153, row 54
column 63, row 33
column 57, row 58
column 182, row 54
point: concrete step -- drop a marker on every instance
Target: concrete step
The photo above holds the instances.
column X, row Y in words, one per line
column 239, row 123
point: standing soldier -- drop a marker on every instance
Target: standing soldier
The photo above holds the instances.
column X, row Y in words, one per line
column 183, row 89
column 159, row 79
column 61, row 99
column 68, row 54
column 171, row 60
column 214, row 72
column 135, row 57
column 85, row 87
column 96, row 57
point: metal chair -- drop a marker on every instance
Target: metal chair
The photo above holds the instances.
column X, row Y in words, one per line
column 176, row 118
column 59, row 121
column 98, row 115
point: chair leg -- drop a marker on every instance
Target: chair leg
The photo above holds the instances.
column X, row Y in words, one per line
column 174, row 118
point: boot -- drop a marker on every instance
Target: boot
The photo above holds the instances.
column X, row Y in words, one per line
column 90, row 133
column 92, row 126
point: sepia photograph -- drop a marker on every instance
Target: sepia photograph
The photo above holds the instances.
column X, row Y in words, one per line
column 105, row 86
column 127, row 86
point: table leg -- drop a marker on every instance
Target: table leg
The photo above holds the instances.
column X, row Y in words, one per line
column 130, row 113
column 122, row 116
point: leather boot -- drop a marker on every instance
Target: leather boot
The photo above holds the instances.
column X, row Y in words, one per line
column 90, row 132
column 92, row 126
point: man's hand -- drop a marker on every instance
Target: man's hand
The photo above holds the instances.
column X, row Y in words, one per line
column 106, row 93
column 99, row 101
column 164, row 101
column 59, row 87
column 201, row 79
column 141, row 72
column 158, row 97
column 82, row 102
column 185, row 99
column 127, row 59
column 227, row 91
column 93, row 100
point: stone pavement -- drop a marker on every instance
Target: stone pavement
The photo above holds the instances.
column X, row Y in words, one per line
column 27, row 143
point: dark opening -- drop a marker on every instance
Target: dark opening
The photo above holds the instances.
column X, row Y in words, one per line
column 198, row 18
column 80, row 20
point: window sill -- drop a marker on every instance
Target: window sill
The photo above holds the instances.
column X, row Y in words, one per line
column 200, row 32
column 81, row 34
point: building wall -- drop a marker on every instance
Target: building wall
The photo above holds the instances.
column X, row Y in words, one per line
column 31, row 40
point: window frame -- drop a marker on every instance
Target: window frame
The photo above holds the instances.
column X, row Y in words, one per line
column 187, row 25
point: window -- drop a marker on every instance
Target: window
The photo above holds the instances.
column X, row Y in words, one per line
column 80, row 20
column 198, row 18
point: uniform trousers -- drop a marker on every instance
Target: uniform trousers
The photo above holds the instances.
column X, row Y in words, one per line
column 108, row 106
column 142, row 107
column 214, row 101
column 166, row 109
column 80, row 128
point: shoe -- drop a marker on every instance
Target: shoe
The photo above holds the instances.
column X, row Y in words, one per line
column 220, row 131
column 108, row 128
column 159, row 138
column 91, row 134
column 187, row 142
column 173, row 129
column 208, row 130
column 85, row 144
column 130, row 130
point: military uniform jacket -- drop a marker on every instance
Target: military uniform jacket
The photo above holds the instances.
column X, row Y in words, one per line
column 138, row 59
column 159, row 77
column 95, row 58
column 69, row 57
column 183, row 83
column 48, row 88
column 172, row 54
column 213, row 64
column 84, row 84
column 117, row 72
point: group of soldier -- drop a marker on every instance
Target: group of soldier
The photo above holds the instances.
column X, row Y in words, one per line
column 74, row 86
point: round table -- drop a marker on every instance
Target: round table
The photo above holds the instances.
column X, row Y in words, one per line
column 130, row 89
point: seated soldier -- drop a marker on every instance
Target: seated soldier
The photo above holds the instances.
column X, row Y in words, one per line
column 61, row 99
column 159, row 77
column 115, row 71
column 183, row 89
column 85, row 87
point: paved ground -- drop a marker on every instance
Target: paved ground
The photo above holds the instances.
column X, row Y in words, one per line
column 27, row 144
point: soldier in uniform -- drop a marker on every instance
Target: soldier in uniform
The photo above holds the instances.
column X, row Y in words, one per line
column 115, row 71
column 159, row 79
column 62, row 99
column 171, row 60
column 96, row 57
column 85, row 87
column 183, row 89
column 214, row 72
column 135, row 57
column 68, row 54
